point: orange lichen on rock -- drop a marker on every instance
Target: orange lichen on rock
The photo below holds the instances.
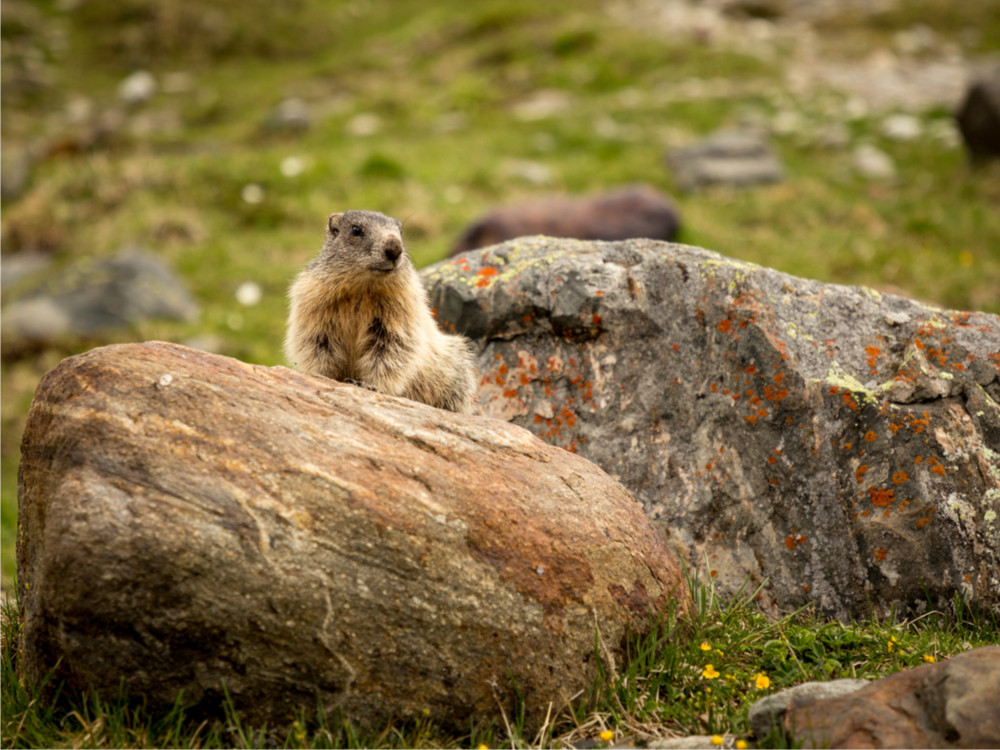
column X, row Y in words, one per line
column 881, row 498
column 485, row 274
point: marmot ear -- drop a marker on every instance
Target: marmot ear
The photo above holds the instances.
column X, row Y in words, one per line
column 331, row 224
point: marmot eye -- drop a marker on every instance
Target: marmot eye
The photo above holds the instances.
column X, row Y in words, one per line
column 356, row 230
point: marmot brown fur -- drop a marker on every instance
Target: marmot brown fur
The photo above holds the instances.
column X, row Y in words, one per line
column 359, row 313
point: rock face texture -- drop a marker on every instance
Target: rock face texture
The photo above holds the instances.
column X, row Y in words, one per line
column 841, row 444
column 632, row 211
column 951, row 704
column 191, row 522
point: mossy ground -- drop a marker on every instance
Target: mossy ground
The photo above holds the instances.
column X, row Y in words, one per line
column 425, row 112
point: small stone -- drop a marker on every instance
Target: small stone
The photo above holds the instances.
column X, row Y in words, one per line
column 364, row 125
column 292, row 166
column 873, row 163
column 542, row 105
column 737, row 158
column 138, row 88
column 694, row 742
column 902, row 127
column 15, row 172
column 15, row 267
column 532, row 172
column 252, row 194
column 291, row 114
column 178, row 82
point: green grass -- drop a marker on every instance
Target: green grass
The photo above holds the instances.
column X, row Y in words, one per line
column 663, row 687
column 445, row 83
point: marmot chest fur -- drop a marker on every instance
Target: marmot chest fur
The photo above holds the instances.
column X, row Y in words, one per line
column 359, row 312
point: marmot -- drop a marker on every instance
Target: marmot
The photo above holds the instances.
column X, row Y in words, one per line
column 358, row 312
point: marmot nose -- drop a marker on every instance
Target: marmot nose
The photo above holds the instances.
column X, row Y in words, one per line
column 393, row 249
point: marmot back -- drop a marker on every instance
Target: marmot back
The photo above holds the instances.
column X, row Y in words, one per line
column 358, row 312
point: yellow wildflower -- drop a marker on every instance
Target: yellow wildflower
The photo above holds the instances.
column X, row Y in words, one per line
column 709, row 673
column 763, row 682
column 717, row 740
column 929, row 658
column 607, row 735
column 483, row 747
column 741, row 745
column 704, row 646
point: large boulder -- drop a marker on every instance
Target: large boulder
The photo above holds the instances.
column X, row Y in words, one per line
column 836, row 444
column 190, row 522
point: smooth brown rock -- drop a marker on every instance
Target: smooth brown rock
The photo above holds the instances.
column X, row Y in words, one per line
column 188, row 521
column 979, row 117
column 632, row 211
column 953, row 704
column 770, row 711
column 838, row 445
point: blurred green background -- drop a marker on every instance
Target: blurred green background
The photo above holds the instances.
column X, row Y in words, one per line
column 437, row 112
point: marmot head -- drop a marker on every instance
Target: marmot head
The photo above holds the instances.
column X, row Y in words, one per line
column 363, row 240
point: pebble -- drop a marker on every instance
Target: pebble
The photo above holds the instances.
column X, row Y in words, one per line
column 364, row 124
column 252, row 194
column 532, row 172
column 902, row 127
column 873, row 163
column 291, row 114
column 292, row 166
column 542, row 105
column 138, row 88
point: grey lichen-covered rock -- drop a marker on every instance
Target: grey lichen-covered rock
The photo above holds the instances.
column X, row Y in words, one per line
column 769, row 713
column 190, row 522
column 841, row 445
column 96, row 296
